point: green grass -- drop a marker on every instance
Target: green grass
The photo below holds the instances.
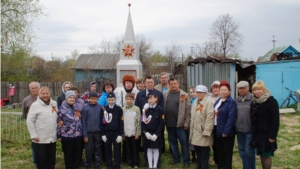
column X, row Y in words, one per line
column 5, row 109
column 16, row 150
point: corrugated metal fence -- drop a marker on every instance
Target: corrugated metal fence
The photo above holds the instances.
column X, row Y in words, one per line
column 22, row 89
column 206, row 73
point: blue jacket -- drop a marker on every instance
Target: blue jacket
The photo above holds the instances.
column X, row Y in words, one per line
column 103, row 99
column 91, row 118
column 226, row 117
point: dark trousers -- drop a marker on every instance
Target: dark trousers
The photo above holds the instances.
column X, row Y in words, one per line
column 163, row 148
column 93, row 146
column 103, row 150
column 133, row 154
column 72, row 153
column 225, row 150
column 45, row 155
column 111, row 141
column 214, row 146
column 203, row 156
column 33, row 154
column 124, row 151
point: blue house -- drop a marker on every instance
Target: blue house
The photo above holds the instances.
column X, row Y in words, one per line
column 96, row 67
column 280, row 68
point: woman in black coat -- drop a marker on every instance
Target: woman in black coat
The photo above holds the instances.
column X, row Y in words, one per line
column 265, row 123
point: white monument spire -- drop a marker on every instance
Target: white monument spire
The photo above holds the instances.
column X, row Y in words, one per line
column 129, row 62
column 129, row 33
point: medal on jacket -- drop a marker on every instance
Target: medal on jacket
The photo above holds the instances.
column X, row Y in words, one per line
column 77, row 113
column 107, row 117
column 53, row 109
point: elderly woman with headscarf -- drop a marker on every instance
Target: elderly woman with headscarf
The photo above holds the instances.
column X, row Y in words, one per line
column 201, row 126
column 41, row 122
column 264, row 122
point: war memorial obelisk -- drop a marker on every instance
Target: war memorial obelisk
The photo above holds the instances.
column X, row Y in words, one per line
column 129, row 62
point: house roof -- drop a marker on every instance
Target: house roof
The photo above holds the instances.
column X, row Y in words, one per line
column 276, row 50
column 96, row 61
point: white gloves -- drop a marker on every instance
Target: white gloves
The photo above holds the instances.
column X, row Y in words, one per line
column 148, row 135
column 104, row 138
column 119, row 139
column 153, row 137
column 146, row 106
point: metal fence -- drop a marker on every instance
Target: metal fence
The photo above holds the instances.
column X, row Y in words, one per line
column 13, row 127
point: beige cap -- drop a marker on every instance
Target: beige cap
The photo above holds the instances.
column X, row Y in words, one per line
column 242, row 84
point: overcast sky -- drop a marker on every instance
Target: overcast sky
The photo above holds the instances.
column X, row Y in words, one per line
column 77, row 24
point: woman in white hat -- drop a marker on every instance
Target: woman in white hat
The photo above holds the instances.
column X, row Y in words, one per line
column 201, row 126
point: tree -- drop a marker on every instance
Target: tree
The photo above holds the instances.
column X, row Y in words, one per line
column 209, row 48
column 107, row 46
column 225, row 32
column 14, row 67
column 17, row 22
column 146, row 50
column 172, row 52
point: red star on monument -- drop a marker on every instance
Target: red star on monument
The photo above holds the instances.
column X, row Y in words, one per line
column 128, row 51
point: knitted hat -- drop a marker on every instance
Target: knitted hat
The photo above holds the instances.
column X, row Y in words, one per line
column 93, row 94
column 201, row 88
column 70, row 93
column 128, row 77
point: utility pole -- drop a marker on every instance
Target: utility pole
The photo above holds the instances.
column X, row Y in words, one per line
column 273, row 41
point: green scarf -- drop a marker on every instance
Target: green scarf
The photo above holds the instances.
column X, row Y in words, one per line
column 262, row 98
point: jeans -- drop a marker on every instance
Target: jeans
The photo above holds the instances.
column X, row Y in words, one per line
column 247, row 153
column 33, row 154
column 179, row 133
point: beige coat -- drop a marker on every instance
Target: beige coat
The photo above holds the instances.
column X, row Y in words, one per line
column 159, row 87
column 202, row 123
column 184, row 110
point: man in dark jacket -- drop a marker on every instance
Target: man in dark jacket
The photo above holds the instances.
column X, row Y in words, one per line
column 34, row 88
column 243, row 125
column 65, row 87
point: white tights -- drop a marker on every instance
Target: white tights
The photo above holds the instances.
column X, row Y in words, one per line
column 152, row 154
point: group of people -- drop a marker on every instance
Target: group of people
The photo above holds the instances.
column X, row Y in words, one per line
column 116, row 126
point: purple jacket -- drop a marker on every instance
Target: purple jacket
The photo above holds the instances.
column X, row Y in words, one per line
column 72, row 127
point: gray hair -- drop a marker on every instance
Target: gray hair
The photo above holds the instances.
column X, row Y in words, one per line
column 164, row 73
column 31, row 83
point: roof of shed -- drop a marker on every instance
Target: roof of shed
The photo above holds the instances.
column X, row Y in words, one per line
column 244, row 64
column 277, row 51
column 269, row 54
column 96, row 61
